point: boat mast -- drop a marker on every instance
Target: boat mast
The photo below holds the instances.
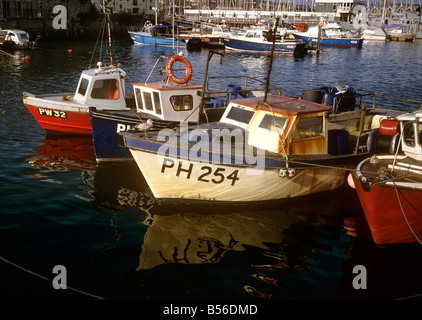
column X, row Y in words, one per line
column 267, row 83
column 109, row 35
column 211, row 52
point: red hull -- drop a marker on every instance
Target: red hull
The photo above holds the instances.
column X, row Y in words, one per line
column 385, row 217
column 55, row 121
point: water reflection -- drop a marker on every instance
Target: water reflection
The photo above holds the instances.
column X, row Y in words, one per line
column 116, row 187
column 62, row 153
column 269, row 247
column 302, row 249
column 255, row 253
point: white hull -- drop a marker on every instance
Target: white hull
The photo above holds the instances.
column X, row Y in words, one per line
column 172, row 179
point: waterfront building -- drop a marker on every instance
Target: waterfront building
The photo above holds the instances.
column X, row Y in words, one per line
column 144, row 7
column 289, row 11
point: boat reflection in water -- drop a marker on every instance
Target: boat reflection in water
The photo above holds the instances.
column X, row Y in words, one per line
column 63, row 152
column 237, row 252
column 186, row 246
column 259, row 251
column 115, row 187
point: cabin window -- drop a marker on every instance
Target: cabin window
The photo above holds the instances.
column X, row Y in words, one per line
column 182, row 103
column 309, row 128
column 409, row 134
column 157, row 102
column 83, row 86
column 240, row 115
column 273, row 123
column 148, row 101
column 419, row 128
column 138, row 97
column 105, row 89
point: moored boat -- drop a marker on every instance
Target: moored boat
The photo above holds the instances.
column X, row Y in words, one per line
column 12, row 39
column 160, row 102
column 332, row 34
column 167, row 103
column 375, row 34
column 284, row 145
column 69, row 112
column 389, row 184
column 102, row 87
column 259, row 40
column 156, row 35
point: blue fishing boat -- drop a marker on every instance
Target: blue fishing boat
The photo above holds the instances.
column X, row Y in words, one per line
column 155, row 35
column 259, row 41
column 332, row 34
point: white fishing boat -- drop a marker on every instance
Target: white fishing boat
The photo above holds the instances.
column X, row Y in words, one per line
column 14, row 39
column 262, row 149
column 167, row 103
column 332, row 34
column 259, row 40
column 375, row 34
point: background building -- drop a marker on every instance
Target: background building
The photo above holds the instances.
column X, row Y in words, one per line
column 40, row 9
column 144, row 7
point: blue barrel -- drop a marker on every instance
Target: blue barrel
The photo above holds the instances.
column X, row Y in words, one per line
column 209, row 104
column 218, row 102
column 231, row 92
column 345, row 98
column 337, row 142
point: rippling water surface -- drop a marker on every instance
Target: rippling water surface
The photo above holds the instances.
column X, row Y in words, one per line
column 100, row 221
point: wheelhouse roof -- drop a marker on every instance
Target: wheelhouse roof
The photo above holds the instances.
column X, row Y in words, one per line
column 417, row 115
column 283, row 105
column 168, row 86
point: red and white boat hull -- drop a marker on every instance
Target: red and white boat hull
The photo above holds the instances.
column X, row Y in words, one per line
column 393, row 210
column 62, row 121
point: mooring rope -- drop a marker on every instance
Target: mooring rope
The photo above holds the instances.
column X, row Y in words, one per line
column 45, row 278
column 402, row 210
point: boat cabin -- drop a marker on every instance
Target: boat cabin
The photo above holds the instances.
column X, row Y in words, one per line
column 411, row 127
column 261, row 34
column 284, row 125
column 168, row 101
column 102, row 87
column 19, row 37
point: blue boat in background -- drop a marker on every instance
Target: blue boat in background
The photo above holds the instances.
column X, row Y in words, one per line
column 332, row 34
column 155, row 35
column 259, row 41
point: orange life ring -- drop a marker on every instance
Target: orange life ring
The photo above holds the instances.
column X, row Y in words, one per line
column 169, row 71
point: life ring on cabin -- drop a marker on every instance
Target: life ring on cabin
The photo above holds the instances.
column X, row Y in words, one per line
column 321, row 23
column 169, row 69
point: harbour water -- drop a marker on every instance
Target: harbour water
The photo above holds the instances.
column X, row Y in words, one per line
column 100, row 222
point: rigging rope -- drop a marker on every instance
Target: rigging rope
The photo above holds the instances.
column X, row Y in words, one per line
column 401, row 208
